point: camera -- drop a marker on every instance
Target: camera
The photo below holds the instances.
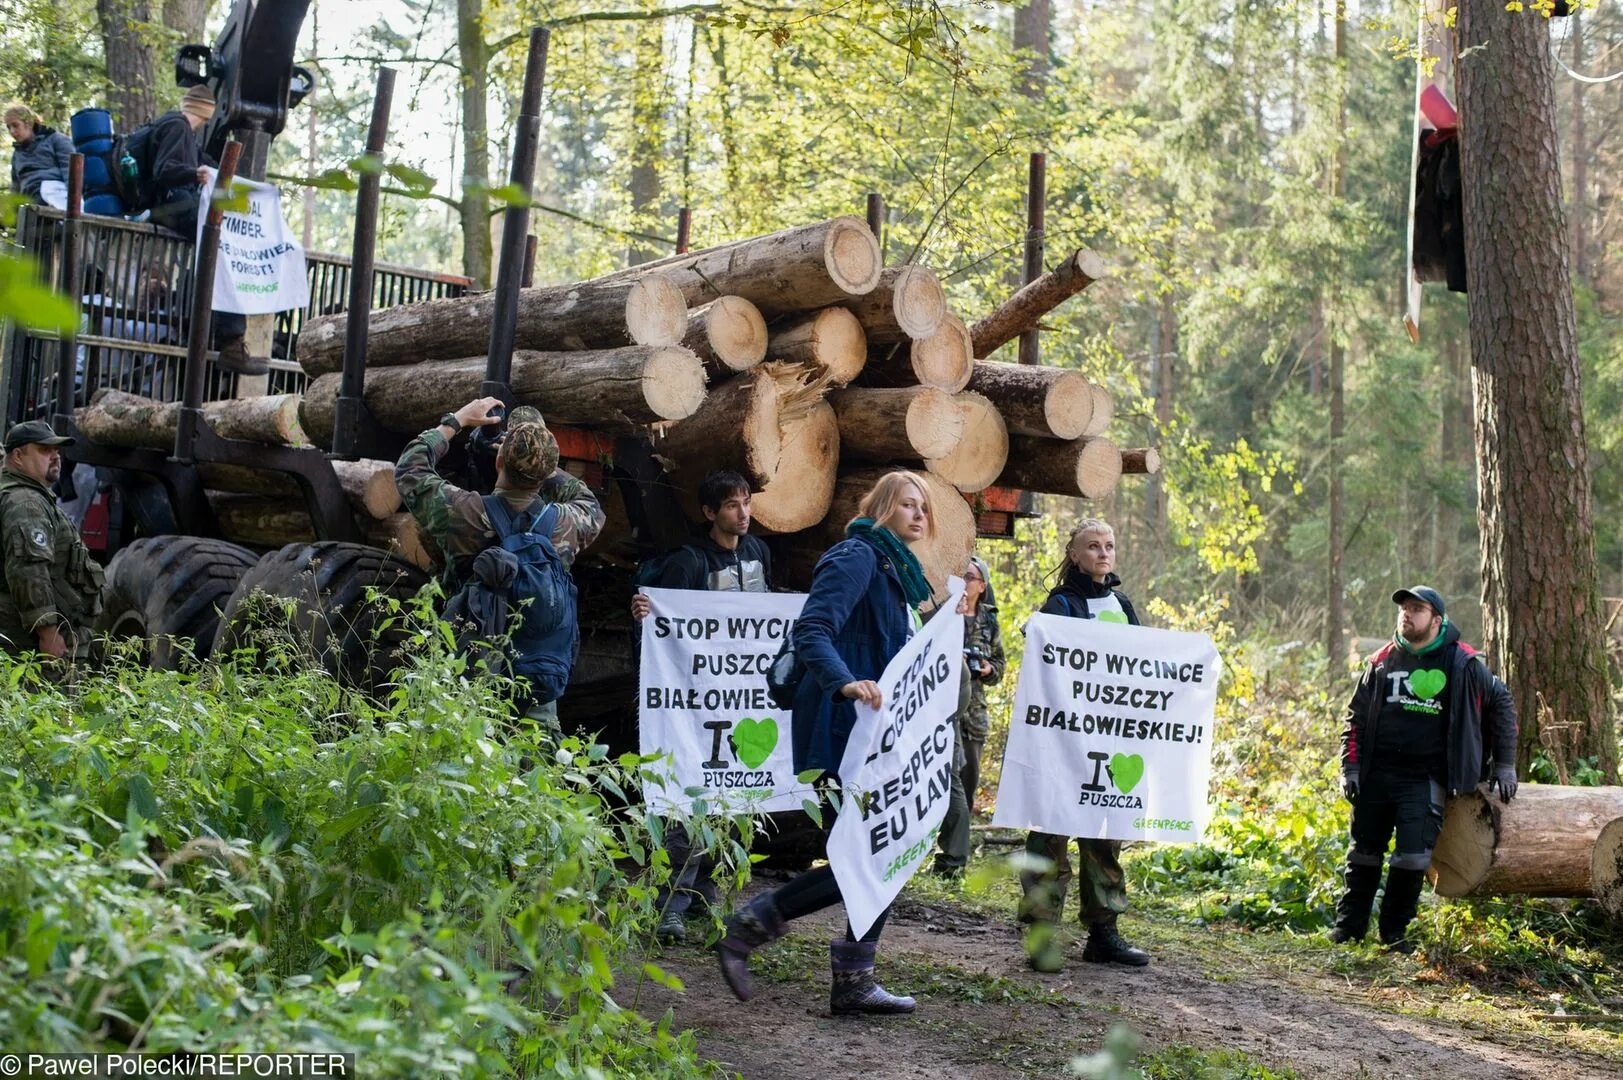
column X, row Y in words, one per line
column 975, row 656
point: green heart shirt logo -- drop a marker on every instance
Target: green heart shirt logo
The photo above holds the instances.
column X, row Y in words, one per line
column 1113, row 616
column 754, row 740
column 1427, row 684
column 1126, row 770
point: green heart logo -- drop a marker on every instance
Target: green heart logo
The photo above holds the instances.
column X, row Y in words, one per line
column 1113, row 616
column 1127, row 770
column 1427, row 684
column 754, row 740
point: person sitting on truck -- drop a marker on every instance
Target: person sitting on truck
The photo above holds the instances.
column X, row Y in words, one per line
column 38, row 153
column 727, row 559
column 53, row 588
column 527, row 478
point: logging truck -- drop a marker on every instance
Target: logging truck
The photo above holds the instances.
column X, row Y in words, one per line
column 797, row 358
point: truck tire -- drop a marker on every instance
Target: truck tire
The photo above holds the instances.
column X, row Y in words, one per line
column 332, row 617
column 168, row 592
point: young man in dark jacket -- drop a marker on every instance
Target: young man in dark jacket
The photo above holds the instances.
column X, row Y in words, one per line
column 726, row 559
column 1427, row 721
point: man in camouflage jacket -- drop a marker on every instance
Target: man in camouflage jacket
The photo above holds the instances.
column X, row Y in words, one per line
column 52, row 587
column 526, row 470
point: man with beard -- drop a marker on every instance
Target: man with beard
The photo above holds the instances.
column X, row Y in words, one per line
column 1427, row 721
column 52, row 585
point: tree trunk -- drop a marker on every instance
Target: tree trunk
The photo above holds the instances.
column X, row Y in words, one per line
column 736, row 428
column 589, row 315
column 798, row 269
column 114, row 418
column 369, row 485
column 1025, row 309
column 728, row 335
column 1539, row 844
column 473, row 60
column 1144, row 461
column 647, row 89
column 944, row 554
column 619, row 389
column 1166, row 354
column 1049, row 402
column 272, row 523
column 1335, row 612
column 907, row 304
column 942, row 360
column 1580, row 156
column 975, row 463
column 126, row 26
column 1089, row 468
column 888, row 426
column 1532, row 461
column 830, row 341
column 187, row 18
column 1031, row 31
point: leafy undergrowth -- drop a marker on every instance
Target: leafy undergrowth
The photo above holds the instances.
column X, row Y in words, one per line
column 227, row 860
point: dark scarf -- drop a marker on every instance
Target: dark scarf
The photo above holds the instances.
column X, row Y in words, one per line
column 914, row 584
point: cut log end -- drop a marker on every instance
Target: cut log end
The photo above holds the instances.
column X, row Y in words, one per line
column 736, row 333
column 1098, row 468
column 799, row 495
column 851, row 253
column 935, row 423
column 980, row 456
column 673, row 383
column 656, row 311
column 919, row 303
column 1143, row 461
column 1069, row 407
column 1464, row 852
column 1104, row 411
column 1606, row 868
column 945, row 359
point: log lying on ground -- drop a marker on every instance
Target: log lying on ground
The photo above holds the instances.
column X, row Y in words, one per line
column 620, row 389
column 1606, row 868
column 268, row 522
column 1090, row 468
column 1144, row 461
column 772, row 426
column 1048, row 402
column 728, row 335
column 945, row 554
column 1104, row 411
column 903, row 424
column 595, row 314
column 369, row 485
column 907, row 304
column 830, row 340
column 798, row 269
column 1540, row 844
column 981, row 455
column 1023, row 310
column 114, row 418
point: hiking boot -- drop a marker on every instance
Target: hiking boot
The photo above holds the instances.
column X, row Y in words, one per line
column 1043, row 950
column 1107, row 946
column 233, row 357
column 672, row 929
column 1352, row 910
column 854, row 990
column 752, row 926
column 1398, row 907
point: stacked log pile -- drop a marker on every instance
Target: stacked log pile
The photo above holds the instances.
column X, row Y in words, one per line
column 796, row 359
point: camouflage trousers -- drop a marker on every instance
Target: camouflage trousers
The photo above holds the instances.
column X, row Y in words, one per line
column 1102, row 886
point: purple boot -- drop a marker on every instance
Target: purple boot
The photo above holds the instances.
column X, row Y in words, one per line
column 750, row 927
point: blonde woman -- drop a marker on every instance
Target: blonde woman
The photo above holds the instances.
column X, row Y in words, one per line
column 38, row 153
column 1085, row 587
column 862, row 608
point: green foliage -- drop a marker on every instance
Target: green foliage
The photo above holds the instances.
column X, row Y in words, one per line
column 225, row 859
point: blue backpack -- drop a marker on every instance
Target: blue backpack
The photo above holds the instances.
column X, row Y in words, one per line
column 541, row 599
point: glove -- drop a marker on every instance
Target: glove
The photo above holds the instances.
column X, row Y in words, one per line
column 1349, row 786
column 1504, row 778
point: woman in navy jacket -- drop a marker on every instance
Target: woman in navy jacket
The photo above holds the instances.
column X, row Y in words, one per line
column 1085, row 588
column 861, row 610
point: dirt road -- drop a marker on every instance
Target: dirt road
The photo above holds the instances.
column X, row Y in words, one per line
column 983, row 1013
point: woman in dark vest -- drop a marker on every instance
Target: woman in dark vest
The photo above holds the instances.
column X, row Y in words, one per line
column 1085, row 587
column 862, row 608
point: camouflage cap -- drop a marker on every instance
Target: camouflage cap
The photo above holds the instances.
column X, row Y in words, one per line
column 529, row 451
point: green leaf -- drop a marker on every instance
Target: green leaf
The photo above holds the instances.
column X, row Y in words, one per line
column 415, row 180
column 341, row 826
column 27, row 301
column 813, row 811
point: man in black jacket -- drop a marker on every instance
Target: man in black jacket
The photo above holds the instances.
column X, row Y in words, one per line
column 1428, row 720
column 726, row 559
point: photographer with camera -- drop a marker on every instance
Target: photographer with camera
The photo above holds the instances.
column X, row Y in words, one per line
column 983, row 666
column 515, row 544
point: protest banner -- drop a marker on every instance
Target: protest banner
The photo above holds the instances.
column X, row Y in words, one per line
column 703, row 700
column 261, row 265
column 1111, row 734
column 897, row 771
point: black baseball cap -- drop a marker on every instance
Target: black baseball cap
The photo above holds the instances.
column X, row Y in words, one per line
column 1423, row 593
column 34, row 431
